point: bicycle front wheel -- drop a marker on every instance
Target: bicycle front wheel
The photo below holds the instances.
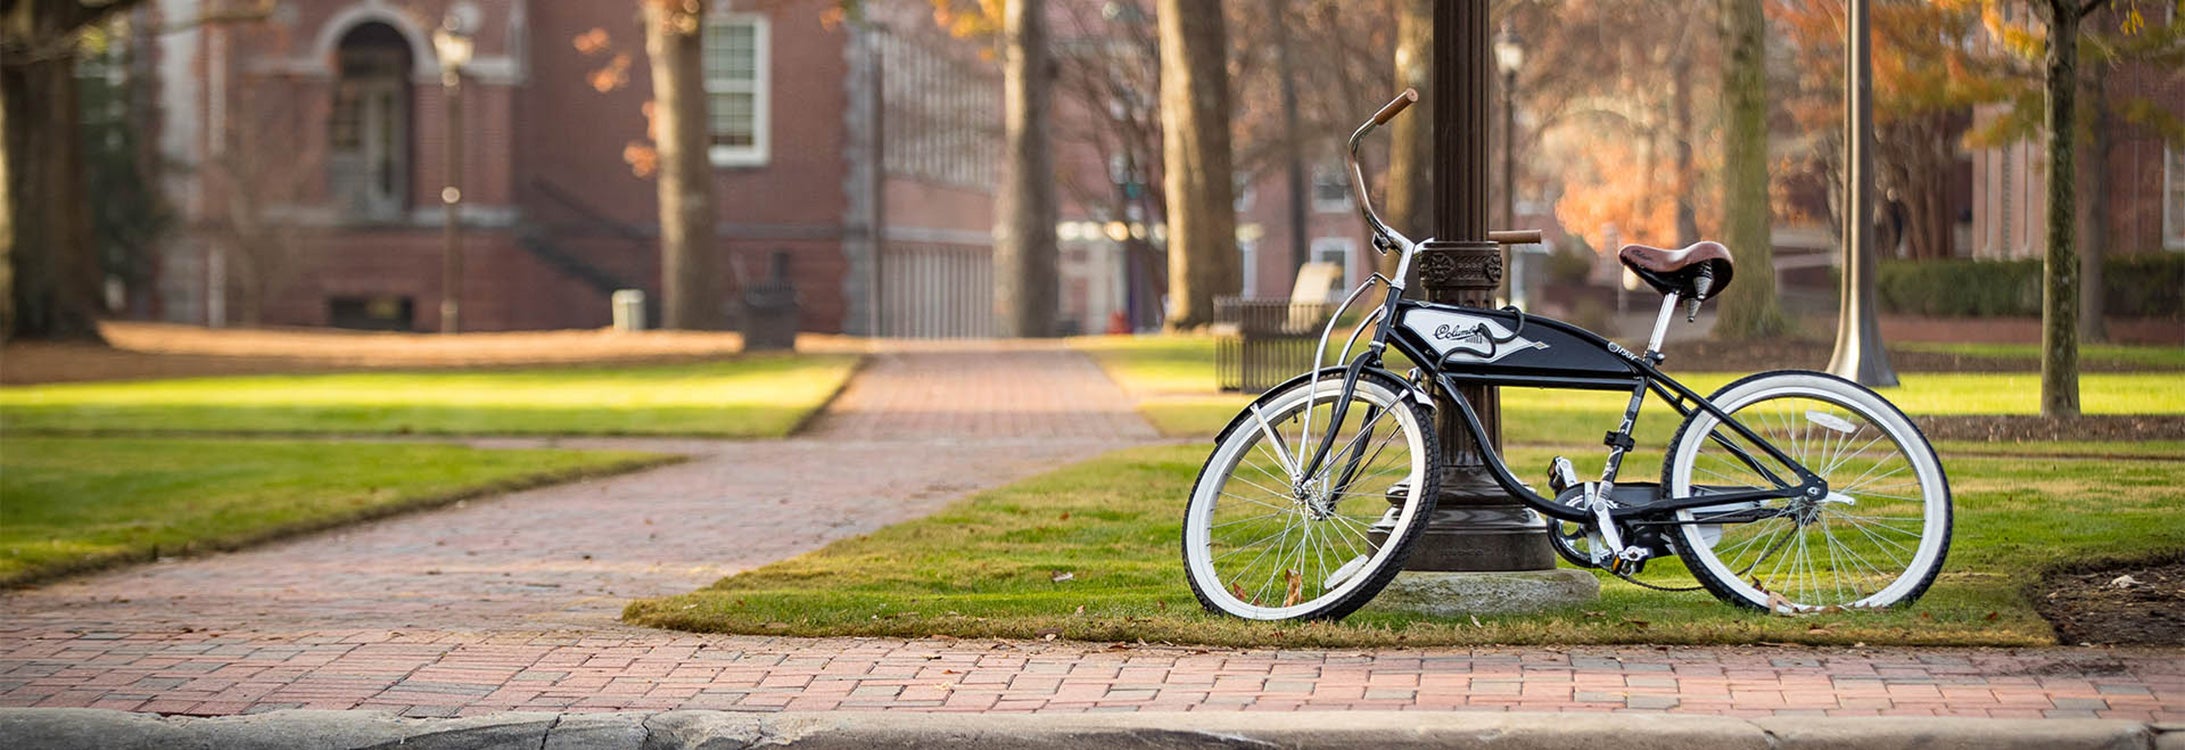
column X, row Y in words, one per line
column 1877, row 538
column 1267, row 536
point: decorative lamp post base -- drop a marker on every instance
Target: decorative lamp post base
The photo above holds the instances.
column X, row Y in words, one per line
column 1440, row 594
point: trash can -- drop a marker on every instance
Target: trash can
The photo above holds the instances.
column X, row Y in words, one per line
column 770, row 310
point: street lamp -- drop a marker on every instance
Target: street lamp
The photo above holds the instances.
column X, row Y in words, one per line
column 452, row 40
column 1509, row 57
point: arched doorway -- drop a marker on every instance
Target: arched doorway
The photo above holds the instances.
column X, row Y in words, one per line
column 368, row 138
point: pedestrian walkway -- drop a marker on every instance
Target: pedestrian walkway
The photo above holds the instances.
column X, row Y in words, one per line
column 511, row 603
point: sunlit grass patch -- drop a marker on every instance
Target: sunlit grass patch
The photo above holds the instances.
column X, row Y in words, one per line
column 1090, row 552
column 759, row 396
column 71, row 504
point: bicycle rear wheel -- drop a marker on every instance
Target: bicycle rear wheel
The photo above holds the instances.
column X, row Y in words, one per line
column 1876, row 539
column 1264, row 540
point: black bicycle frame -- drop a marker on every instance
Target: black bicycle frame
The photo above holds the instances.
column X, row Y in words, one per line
column 1559, row 356
column 1456, row 345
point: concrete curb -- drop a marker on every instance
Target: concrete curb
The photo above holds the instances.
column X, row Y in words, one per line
column 74, row 729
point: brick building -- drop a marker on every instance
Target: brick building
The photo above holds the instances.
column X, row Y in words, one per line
column 309, row 151
column 2131, row 182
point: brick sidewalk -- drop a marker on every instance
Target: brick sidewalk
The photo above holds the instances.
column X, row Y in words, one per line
column 510, row 603
column 439, row 673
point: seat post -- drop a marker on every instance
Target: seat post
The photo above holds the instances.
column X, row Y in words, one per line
column 1661, row 325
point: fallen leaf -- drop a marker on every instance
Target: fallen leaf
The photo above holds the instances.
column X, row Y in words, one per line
column 1297, row 588
column 1993, row 615
column 1080, row 610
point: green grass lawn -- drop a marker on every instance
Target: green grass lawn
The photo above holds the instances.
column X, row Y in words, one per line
column 70, row 504
column 1173, row 378
column 992, row 566
column 757, row 396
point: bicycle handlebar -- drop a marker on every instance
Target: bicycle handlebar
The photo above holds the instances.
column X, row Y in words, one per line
column 1395, row 106
column 1358, row 173
column 1380, row 228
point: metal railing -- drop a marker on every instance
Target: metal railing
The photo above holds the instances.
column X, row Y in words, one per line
column 1258, row 343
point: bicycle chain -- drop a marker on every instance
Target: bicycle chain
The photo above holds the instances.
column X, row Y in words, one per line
column 1656, row 587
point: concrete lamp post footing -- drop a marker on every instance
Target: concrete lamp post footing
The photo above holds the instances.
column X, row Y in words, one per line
column 1444, row 594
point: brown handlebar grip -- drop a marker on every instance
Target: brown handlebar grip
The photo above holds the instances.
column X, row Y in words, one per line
column 1515, row 237
column 1395, row 106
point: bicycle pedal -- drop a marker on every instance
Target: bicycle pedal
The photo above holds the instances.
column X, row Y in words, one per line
column 1561, row 475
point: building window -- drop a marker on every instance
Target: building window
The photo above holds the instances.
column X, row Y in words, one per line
column 2173, row 200
column 1341, row 252
column 737, row 88
column 1331, row 191
column 368, row 138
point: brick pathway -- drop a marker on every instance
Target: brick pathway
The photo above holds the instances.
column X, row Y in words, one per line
column 510, row 603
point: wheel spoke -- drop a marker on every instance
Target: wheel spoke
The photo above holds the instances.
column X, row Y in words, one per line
column 1851, row 546
column 1261, row 542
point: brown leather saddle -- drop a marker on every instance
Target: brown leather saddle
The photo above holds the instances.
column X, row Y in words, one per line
column 1698, row 272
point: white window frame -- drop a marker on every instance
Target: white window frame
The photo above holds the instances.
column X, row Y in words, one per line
column 1348, row 246
column 761, row 89
column 2173, row 214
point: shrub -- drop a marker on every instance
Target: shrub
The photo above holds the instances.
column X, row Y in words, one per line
column 2142, row 286
column 1570, row 262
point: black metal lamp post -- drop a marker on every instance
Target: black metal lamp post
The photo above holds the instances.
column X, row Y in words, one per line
column 1476, row 526
column 1509, row 57
column 452, row 40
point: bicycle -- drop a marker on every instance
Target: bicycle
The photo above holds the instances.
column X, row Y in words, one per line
column 1787, row 491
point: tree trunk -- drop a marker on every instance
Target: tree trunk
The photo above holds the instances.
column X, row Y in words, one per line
column 56, row 270
column 1411, row 141
column 1748, row 308
column 1024, row 247
column 7, row 214
column 1293, row 148
column 2092, row 327
column 54, row 265
column 689, row 277
column 2060, row 268
column 1202, row 242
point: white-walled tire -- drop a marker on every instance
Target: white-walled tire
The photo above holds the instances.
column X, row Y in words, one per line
column 1876, row 539
column 1262, row 543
